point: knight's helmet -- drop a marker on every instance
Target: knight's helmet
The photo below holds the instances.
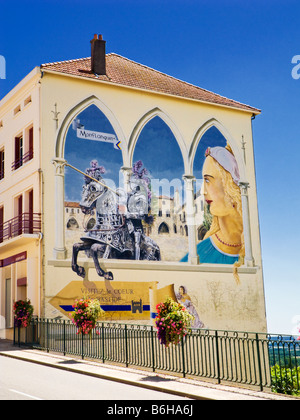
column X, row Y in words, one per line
column 95, row 171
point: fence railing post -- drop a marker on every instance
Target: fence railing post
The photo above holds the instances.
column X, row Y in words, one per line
column 47, row 335
column 64, row 324
column 103, row 343
column 259, row 362
column 32, row 332
column 183, row 357
column 217, row 357
column 153, row 352
column 126, row 347
column 19, row 339
column 82, row 345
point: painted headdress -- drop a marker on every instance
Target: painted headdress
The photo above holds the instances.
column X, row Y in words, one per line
column 226, row 159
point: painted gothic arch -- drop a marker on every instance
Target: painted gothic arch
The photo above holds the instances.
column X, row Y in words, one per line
column 75, row 111
column 233, row 144
column 156, row 112
column 59, row 162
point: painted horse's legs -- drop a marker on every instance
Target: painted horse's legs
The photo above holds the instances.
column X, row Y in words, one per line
column 80, row 246
column 95, row 248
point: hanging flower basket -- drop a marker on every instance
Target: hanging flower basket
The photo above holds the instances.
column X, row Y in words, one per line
column 172, row 322
column 86, row 313
column 23, row 311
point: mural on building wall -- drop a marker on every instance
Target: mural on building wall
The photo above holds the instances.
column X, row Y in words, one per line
column 145, row 216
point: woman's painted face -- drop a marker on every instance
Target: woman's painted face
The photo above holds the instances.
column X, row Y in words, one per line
column 213, row 189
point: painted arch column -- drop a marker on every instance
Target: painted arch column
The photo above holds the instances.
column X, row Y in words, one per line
column 59, row 251
column 249, row 260
column 190, row 211
column 127, row 173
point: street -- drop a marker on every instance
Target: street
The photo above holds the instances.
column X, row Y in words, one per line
column 20, row 380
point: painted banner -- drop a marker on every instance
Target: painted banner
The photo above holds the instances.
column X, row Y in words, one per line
column 96, row 136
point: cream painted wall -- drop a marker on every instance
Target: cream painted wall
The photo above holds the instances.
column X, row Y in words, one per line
column 26, row 177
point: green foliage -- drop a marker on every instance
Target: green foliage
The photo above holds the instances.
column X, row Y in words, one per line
column 285, row 380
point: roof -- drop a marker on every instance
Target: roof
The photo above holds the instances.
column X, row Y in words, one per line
column 165, row 197
column 125, row 72
column 72, row 204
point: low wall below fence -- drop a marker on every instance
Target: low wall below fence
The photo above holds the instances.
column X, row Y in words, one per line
column 247, row 359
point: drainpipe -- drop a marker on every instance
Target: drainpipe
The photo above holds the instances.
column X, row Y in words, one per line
column 41, row 283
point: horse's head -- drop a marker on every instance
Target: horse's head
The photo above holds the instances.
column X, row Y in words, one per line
column 90, row 193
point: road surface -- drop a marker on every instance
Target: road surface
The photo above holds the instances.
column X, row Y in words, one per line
column 21, row 380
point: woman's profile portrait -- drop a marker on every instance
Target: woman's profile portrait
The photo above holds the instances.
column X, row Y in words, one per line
column 224, row 241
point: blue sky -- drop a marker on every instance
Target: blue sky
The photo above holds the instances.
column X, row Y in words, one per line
column 241, row 49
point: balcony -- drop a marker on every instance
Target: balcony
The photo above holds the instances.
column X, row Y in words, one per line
column 25, row 223
column 23, row 159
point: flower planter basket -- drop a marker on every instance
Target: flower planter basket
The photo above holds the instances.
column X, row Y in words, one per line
column 86, row 314
column 23, row 311
column 172, row 322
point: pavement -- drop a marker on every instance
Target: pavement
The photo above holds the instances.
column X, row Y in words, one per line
column 185, row 387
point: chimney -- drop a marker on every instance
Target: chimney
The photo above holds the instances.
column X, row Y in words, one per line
column 98, row 65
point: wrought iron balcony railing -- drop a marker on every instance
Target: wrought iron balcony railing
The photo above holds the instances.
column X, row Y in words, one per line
column 25, row 223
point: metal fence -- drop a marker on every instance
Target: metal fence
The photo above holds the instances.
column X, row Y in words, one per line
column 255, row 360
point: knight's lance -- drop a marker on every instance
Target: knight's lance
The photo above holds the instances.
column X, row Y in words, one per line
column 93, row 179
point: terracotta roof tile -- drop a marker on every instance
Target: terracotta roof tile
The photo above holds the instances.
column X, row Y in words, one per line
column 72, row 204
column 122, row 71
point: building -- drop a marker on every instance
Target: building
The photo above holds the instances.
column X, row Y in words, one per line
column 20, row 199
column 102, row 115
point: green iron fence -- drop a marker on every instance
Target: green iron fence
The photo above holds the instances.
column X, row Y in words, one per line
column 262, row 361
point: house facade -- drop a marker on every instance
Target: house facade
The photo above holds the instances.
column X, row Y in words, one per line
column 116, row 177
column 20, row 198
